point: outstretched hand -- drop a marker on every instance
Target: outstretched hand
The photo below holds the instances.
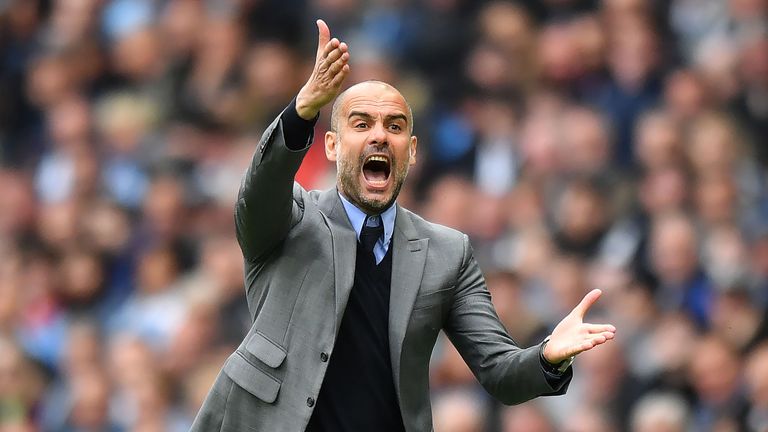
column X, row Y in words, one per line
column 331, row 67
column 573, row 336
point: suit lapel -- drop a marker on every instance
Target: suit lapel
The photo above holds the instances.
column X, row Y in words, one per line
column 344, row 249
column 408, row 258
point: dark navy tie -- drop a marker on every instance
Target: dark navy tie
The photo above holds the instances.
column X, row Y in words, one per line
column 372, row 231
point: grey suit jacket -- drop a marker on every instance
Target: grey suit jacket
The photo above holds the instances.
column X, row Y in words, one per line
column 299, row 251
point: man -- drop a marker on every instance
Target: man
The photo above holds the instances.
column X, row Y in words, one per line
column 348, row 291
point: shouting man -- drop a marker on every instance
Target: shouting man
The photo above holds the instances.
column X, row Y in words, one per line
column 348, row 290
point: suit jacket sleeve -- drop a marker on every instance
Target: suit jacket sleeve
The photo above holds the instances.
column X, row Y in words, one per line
column 510, row 373
column 266, row 208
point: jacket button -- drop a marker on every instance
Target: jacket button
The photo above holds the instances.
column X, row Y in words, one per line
column 310, row 402
column 323, row 357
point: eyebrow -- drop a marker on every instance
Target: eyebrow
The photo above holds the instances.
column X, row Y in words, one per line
column 367, row 116
column 362, row 114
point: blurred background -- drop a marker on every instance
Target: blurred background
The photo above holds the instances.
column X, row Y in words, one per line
column 614, row 144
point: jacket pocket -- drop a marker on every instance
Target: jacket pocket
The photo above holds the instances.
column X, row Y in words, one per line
column 252, row 379
column 270, row 353
column 432, row 298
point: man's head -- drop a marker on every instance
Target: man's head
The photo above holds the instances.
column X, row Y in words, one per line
column 372, row 144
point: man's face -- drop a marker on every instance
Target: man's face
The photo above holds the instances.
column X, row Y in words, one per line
column 372, row 146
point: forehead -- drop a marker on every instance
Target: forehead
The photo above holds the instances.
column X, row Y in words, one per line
column 373, row 98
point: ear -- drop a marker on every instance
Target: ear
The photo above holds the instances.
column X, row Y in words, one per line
column 412, row 157
column 330, row 146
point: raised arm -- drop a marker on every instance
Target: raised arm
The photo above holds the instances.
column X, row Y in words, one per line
column 265, row 208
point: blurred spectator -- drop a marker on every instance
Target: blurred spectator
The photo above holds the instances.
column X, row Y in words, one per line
column 715, row 376
column 155, row 310
column 17, row 206
column 586, row 143
column 736, row 319
column 529, row 418
column 586, row 419
column 509, row 27
column 458, row 412
column 90, row 403
column 756, row 379
column 685, row 94
column 124, row 122
column 675, row 260
column 751, row 104
column 660, row 413
column 633, row 61
column 673, row 341
column 219, row 277
column 60, row 174
column 21, row 387
column 508, row 299
column 497, row 158
column 606, row 381
column 658, row 141
column 581, row 218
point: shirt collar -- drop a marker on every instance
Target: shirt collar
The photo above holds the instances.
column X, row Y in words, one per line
column 357, row 218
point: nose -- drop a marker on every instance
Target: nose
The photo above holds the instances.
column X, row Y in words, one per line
column 378, row 134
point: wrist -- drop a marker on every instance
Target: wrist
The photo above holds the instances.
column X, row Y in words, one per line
column 305, row 110
column 544, row 356
column 554, row 366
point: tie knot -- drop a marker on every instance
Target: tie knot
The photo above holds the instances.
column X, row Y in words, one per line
column 372, row 231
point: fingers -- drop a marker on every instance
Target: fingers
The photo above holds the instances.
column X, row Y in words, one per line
column 598, row 339
column 331, row 67
column 598, row 334
column 339, row 78
column 588, row 338
column 337, row 53
column 336, row 66
column 599, row 328
column 587, row 302
column 589, row 343
column 329, row 47
column 323, row 35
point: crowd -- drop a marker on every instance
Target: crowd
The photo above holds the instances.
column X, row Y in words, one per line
column 613, row 144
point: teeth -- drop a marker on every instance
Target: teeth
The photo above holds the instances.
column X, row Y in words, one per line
column 378, row 159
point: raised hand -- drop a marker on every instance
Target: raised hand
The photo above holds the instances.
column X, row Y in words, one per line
column 573, row 336
column 331, row 67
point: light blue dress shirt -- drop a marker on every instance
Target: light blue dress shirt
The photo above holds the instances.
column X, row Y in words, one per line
column 357, row 218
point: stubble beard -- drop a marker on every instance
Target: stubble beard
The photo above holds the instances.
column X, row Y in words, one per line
column 347, row 178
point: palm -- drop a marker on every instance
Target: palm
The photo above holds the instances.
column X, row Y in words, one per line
column 573, row 336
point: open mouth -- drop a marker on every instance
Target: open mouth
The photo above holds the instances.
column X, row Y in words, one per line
column 376, row 170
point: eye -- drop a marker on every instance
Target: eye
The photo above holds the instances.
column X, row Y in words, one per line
column 360, row 125
column 395, row 127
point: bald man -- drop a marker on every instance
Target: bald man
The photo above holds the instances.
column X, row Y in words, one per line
column 348, row 290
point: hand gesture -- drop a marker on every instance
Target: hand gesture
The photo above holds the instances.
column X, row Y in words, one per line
column 573, row 336
column 331, row 67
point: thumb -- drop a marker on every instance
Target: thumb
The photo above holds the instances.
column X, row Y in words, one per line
column 323, row 35
column 587, row 302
